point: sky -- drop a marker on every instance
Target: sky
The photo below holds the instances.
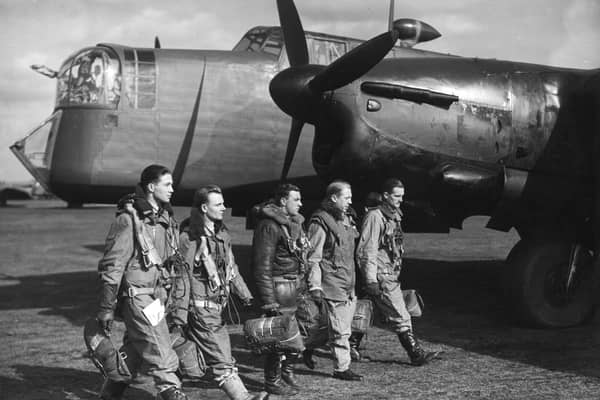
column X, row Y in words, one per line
column 563, row 33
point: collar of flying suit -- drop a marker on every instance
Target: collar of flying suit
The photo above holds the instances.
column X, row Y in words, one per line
column 390, row 212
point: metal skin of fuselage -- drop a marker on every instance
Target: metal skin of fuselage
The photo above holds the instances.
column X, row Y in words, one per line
column 214, row 122
column 515, row 133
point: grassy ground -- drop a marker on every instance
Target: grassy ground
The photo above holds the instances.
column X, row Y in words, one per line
column 47, row 275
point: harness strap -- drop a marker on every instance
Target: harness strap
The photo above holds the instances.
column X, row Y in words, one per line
column 133, row 291
column 149, row 252
column 207, row 304
column 202, row 254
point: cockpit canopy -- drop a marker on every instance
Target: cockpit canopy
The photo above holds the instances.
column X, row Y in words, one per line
column 262, row 39
column 323, row 49
column 91, row 77
column 268, row 40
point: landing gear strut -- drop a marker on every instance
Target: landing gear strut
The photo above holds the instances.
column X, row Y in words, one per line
column 552, row 282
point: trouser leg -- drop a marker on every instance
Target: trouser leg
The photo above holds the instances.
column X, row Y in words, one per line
column 340, row 314
column 207, row 329
column 392, row 306
column 151, row 343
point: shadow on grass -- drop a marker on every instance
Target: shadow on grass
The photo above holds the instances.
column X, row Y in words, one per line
column 72, row 295
column 466, row 306
column 53, row 383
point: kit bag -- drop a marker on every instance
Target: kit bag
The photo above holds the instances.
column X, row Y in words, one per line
column 363, row 316
column 273, row 334
column 414, row 302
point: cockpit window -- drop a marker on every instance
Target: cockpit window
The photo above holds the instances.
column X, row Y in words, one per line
column 139, row 75
column 92, row 77
column 325, row 51
column 262, row 40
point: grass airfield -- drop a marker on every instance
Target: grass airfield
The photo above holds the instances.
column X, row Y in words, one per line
column 48, row 289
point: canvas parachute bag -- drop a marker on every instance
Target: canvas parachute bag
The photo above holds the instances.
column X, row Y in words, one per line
column 112, row 363
column 270, row 334
column 363, row 316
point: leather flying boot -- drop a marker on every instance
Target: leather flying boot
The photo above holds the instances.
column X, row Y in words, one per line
column 172, row 393
column 234, row 389
column 287, row 371
column 307, row 357
column 112, row 390
column 417, row 355
column 354, row 340
column 347, row 375
column 273, row 382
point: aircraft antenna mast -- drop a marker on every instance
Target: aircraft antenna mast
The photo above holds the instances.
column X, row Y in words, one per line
column 391, row 16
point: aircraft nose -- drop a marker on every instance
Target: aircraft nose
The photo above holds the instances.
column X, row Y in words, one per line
column 290, row 91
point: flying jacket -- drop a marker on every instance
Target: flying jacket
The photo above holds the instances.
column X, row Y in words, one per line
column 278, row 245
column 331, row 265
column 204, row 250
column 123, row 264
column 379, row 249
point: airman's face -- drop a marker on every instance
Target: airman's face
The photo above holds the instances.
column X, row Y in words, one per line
column 162, row 189
column 395, row 198
column 342, row 200
column 214, row 208
column 292, row 203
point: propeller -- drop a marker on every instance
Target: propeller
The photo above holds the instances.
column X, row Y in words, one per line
column 295, row 131
column 298, row 90
column 293, row 33
column 156, row 42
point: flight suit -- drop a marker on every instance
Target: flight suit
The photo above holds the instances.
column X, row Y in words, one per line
column 379, row 253
column 209, row 252
column 279, row 249
column 124, row 270
column 331, row 269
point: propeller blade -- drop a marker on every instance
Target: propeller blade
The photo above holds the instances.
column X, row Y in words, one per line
column 295, row 130
column 355, row 63
column 293, row 33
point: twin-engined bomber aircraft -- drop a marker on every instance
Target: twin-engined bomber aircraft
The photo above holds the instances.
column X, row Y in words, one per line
column 468, row 136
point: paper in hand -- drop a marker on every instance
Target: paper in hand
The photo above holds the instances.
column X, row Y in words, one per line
column 154, row 312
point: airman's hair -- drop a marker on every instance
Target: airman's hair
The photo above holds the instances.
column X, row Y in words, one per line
column 201, row 195
column 152, row 174
column 282, row 191
column 336, row 188
column 391, row 183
